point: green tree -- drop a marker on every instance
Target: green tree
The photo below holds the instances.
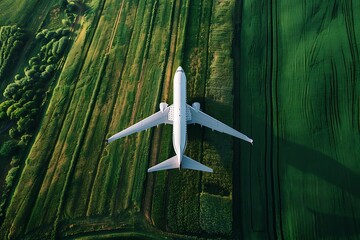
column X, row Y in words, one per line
column 8, row 148
column 25, row 139
column 4, row 106
column 24, row 124
column 11, row 90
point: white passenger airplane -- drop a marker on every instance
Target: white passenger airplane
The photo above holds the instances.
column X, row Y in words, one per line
column 179, row 115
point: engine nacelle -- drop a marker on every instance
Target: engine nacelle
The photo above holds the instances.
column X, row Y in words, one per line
column 163, row 106
column 196, row 106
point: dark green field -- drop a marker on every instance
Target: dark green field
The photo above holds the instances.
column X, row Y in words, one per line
column 286, row 73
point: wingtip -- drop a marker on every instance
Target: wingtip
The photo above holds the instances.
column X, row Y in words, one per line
column 252, row 142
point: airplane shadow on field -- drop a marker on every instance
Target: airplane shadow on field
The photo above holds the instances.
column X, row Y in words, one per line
column 330, row 170
column 196, row 132
column 313, row 162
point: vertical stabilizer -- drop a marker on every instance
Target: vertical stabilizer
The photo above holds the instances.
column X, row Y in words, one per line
column 188, row 163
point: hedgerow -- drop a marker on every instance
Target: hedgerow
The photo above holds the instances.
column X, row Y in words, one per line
column 24, row 98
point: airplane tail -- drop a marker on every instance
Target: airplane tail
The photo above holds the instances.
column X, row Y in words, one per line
column 189, row 163
column 171, row 163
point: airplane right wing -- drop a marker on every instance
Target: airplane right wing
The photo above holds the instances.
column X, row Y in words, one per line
column 199, row 117
column 157, row 118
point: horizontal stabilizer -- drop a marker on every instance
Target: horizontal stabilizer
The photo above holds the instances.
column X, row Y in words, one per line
column 188, row 163
column 171, row 163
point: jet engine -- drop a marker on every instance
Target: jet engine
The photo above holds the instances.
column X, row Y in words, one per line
column 196, row 106
column 163, row 106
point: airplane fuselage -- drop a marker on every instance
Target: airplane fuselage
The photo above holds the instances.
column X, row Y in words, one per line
column 179, row 122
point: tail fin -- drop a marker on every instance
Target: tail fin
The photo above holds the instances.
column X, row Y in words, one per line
column 192, row 164
column 171, row 163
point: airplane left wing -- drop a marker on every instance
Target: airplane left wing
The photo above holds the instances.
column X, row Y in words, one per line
column 199, row 117
column 157, row 118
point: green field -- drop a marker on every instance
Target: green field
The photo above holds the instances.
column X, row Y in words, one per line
column 286, row 73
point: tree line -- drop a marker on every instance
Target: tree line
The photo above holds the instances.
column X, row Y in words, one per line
column 24, row 98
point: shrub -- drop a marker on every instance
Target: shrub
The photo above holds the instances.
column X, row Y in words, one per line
column 10, row 90
column 65, row 22
column 50, row 35
column 34, row 60
column 10, row 176
column 13, row 133
column 17, row 77
column 61, row 46
column 24, row 124
column 8, row 148
column 5, row 105
column 19, row 112
column 25, row 139
column 51, row 59
column 11, row 109
column 15, row 161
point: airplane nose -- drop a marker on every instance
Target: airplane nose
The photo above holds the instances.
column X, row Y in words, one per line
column 179, row 69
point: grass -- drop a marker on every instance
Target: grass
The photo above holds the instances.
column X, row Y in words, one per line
column 284, row 74
column 303, row 103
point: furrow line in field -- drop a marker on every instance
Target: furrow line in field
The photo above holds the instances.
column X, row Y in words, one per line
column 113, row 32
column 112, row 109
column 268, row 128
column 148, row 191
column 277, row 179
column 73, row 92
column 138, row 94
column 78, row 146
column 354, row 51
column 349, row 86
column 236, row 179
column 98, row 49
column 157, row 134
column 206, row 74
column 143, row 65
column 170, row 61
column 82, row 134
column 139, row 62
column 276, row 225
column 49, row 198
column 333, row 101
column 119, row 175
column 336, row 94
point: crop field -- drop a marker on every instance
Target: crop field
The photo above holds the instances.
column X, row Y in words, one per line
column 285, row 73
